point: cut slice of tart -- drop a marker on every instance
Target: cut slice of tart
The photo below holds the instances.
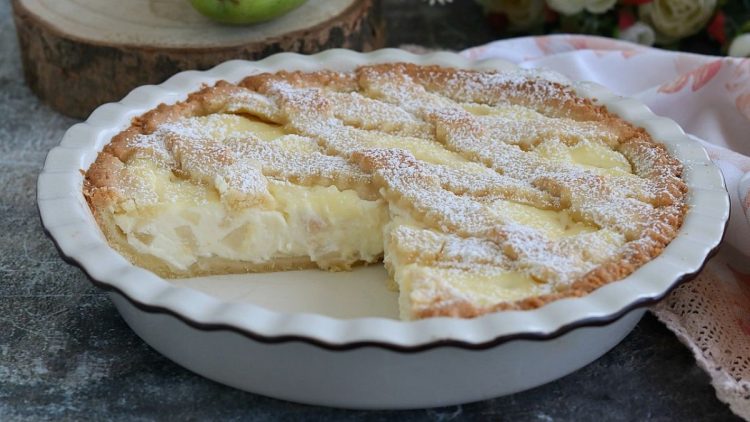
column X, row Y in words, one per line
column 224, row 193
column 480, row 191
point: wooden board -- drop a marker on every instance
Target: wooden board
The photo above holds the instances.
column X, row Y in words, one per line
column 78, row 54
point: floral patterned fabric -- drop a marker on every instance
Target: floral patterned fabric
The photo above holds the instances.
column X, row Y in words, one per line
column 710, row 98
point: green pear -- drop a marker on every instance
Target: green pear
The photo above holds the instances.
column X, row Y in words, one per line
column 241, row 12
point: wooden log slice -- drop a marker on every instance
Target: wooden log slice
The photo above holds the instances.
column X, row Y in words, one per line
column 79, row 54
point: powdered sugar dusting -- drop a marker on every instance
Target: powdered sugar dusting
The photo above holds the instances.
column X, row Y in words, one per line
column 468, row 139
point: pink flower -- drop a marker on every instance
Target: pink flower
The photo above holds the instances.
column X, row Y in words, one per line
column 549, row 14
column 498, row 21
column 625, row 19
column 716, row 28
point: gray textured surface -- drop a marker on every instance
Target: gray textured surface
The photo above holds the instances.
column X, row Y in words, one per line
column 66, row 354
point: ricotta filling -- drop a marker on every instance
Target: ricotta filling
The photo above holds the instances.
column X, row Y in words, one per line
column 333, row 228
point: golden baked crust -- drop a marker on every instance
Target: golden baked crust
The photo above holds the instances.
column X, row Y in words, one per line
column 485, row 176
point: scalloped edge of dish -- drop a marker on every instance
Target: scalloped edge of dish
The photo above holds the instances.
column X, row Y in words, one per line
column 67, row 220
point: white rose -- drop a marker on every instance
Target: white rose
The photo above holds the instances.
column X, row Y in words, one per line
column 567, row 7
column 522, row 14
column 572, row 7
column 599, row 6
column 675, row 19
column 740, row 46
column 639, row 33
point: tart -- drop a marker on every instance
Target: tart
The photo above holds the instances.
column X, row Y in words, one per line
column 480, row 191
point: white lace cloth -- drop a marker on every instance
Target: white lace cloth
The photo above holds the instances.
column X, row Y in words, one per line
column 710, row 98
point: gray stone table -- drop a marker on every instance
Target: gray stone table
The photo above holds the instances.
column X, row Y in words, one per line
column 65, row 353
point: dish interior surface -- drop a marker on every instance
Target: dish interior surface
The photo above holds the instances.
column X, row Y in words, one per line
column 360, row 293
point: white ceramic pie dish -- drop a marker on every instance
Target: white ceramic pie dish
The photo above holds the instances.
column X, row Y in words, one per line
column 332, row 339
